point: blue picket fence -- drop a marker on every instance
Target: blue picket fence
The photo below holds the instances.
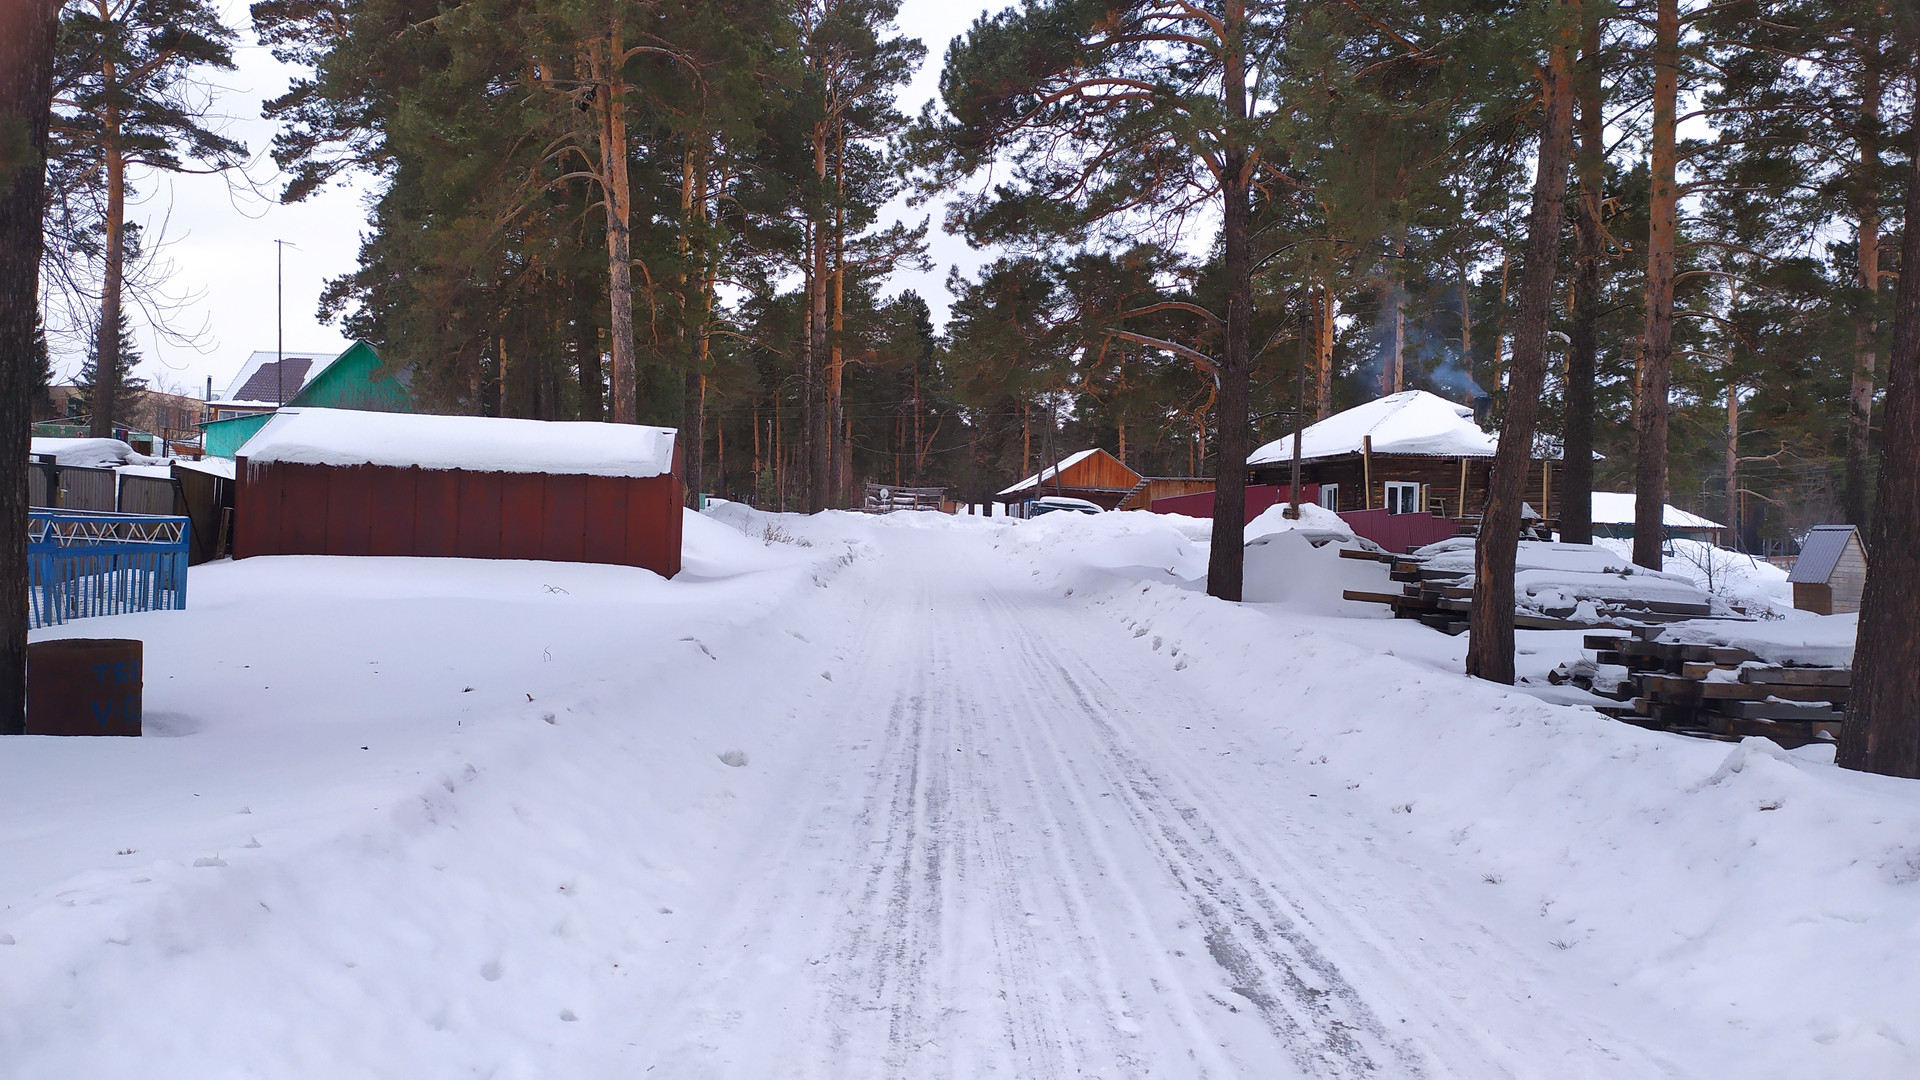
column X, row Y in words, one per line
column 83, row 564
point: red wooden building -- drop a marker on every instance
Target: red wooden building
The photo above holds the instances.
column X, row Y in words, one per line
column 339, row 482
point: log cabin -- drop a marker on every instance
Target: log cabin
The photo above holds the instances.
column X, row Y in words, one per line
column 1411, row 452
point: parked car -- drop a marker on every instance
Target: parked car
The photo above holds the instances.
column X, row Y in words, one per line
column 1047, row 504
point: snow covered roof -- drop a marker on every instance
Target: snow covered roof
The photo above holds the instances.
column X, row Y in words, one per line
column 476, row 443
column 89, row 453
column 1049, row 473
column 1616, row 508
column 1410, row 422
column 259, row 378
column 1820, row 554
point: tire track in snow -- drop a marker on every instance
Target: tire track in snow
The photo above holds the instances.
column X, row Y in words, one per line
column 1308, row 1005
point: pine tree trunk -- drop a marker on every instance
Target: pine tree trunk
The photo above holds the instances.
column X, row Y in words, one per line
column 1733, row 464
column 1226, row 560
column 693, row 437
column 1866, row 331
column 619, row 202
column 586, row 349
column 107, row 360
column 1328, row 311
column 1490, row 647
column 27, row 32
column 837, row 357
column 1576, row 478
column 1882, row 732
column 1656, row 359
column 820, row 463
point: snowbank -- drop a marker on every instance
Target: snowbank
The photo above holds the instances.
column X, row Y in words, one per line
column 90, row 453
column 1313, row 519
column 399, row 817
column 474, row 443
column 1764, row 903
column 1745, row 581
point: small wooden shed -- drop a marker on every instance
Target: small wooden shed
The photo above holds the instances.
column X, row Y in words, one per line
column 1831, row 573
column 342, row 482
column 1093, row 475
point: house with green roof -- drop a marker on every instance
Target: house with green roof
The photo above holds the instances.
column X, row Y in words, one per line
column 355, row 379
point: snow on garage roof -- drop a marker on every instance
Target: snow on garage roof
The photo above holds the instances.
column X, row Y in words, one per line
column 1410, row 422
column 1066, row 463
column 475, row 443
column 1616, row 508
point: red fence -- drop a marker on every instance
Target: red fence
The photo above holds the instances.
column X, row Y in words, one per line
column 1398, row 532
column 1260, row 498
column 282, row 509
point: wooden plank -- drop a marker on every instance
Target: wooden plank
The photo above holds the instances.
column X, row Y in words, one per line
column 1368, row 556
column 1798, row 676
column 1738, row 691
column 1372, row 597
column 1779, row 710
column 1788, row 734
column 1603, row 641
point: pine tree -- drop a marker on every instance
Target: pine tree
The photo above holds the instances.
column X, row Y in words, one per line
column 28, row 32
column 1882, row 732
column 125, row 395
column 127, row 99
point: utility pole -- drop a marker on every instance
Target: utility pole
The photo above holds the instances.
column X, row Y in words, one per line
column 279, row 320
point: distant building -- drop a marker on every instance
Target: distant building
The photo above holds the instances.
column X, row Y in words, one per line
column 354, row 379
column 1830, row 575
column 320, row 481
column 1613, row 515
column 150, row 421
column 1093, row 475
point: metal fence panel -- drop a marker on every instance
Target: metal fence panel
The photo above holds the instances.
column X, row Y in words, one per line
column 148, row 495
column 81, row 565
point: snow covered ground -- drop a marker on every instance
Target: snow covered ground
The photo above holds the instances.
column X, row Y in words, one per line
column 916, row 797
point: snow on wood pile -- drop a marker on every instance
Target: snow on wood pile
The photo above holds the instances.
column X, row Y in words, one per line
column 1556, row 587
column 1411, row 422
column 473, row 443
column 1788, row 681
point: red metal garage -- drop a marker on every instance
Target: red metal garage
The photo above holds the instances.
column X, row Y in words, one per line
column 339, row 482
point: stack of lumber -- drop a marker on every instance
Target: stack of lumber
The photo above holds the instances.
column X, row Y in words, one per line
column 1442, row 597
column 1710, row 690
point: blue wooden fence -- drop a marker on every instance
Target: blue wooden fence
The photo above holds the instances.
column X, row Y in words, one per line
column 82, row 564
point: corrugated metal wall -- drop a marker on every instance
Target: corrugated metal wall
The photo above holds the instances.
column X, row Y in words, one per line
column 376, row 510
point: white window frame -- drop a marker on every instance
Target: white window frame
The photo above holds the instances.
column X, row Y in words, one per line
column 1396, row 498
column 1330, row 497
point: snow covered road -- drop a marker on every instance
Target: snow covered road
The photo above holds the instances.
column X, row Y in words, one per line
column 916, row 798
column 1001, row 865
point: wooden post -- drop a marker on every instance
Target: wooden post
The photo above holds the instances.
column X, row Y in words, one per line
column 1461, row 509
column 1366, row 471
column 1546, row 487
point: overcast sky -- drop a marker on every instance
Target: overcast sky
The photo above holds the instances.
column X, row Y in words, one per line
column 222, row 241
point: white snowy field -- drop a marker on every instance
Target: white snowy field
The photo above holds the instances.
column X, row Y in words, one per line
column 917, row 797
